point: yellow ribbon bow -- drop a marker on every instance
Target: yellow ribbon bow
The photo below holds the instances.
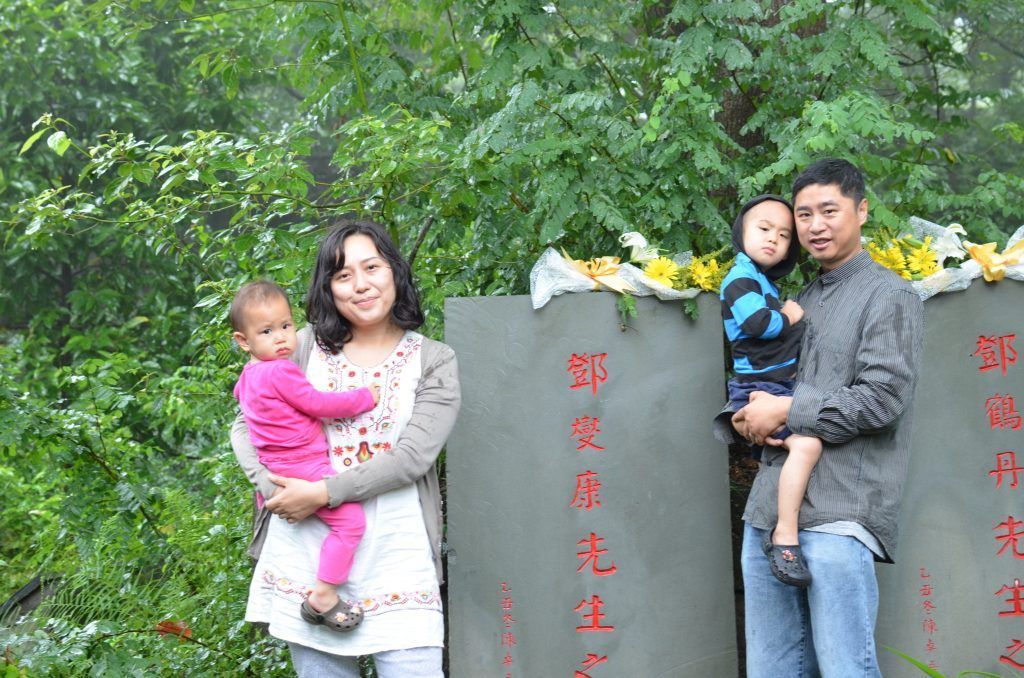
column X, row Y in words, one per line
column 603, row 271
column 993, row 265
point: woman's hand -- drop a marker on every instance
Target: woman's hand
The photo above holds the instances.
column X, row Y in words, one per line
column 296, row 499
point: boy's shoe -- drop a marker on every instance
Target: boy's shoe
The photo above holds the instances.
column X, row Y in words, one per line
column 787, row 563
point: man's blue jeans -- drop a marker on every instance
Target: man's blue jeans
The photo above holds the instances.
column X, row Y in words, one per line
column 825, row 630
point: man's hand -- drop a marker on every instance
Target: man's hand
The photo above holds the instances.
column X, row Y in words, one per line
column 296, row 498
column 763, row 416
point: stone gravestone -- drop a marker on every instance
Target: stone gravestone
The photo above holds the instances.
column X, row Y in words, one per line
column 588, row 511
column 954, row 599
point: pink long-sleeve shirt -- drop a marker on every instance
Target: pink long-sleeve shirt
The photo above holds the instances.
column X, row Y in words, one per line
column 283, row 411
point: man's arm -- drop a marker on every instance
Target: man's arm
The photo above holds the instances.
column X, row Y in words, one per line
column 888, row 360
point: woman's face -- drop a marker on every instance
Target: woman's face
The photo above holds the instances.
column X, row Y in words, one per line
column 364, row 288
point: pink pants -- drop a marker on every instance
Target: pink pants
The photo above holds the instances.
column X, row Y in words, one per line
column 347, row 521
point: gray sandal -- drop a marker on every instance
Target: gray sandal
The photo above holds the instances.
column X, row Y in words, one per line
column 342, row 617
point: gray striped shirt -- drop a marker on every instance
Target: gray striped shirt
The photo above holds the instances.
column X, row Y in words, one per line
column 859, row 361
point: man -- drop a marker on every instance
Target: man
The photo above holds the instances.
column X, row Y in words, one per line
column 858, row 367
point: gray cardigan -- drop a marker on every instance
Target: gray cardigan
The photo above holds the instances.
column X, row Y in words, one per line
column 411, row 460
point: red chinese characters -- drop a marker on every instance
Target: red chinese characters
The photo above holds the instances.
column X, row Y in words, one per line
column 590, row 610
column 508, row 637
column 586, row 495
column 996, row 352
column 1006, row 463
column 1009, row 536
column 588, row 372
column 1014, row 601
column 584, row 430
column 591, row 556
column 1002, row 412
column 1012, row 649
column 928, row 624
column 590, row 662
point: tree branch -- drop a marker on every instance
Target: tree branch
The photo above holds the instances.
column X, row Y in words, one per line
column 352, row 54
column 419, row 239
column 458, row 47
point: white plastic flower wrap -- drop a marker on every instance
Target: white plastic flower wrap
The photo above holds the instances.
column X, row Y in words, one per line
column 983, row 261
column 552, row 275
column 945, row 242
column 555, row 274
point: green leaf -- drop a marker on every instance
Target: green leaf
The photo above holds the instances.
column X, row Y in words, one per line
column 230, row 79
column 690, row 308
column 209, row 300
column 736, row 55
column 142, row 173
column 32, row 139
column 58, row 142
column 919, row 664
column 627, row 308
column 171, row 182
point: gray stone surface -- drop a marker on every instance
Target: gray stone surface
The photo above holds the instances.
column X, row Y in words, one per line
column 951, row 507
column 512, row 467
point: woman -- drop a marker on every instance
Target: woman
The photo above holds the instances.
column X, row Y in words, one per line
column 362, row 308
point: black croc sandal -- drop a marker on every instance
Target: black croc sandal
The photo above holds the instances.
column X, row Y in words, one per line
column 787, row 563
column 341, row 618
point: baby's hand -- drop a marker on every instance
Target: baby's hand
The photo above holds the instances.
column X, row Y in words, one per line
column 375, row 391
column 793, row 311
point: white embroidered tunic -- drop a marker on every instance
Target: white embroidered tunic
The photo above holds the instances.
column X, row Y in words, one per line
column 393, row 577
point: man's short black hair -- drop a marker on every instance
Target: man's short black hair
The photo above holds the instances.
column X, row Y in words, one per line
column 837, row 171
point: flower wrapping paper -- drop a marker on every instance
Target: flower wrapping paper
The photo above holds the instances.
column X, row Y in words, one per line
column 552, row 275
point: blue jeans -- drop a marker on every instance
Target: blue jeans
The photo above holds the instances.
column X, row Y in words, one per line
column 825, row 630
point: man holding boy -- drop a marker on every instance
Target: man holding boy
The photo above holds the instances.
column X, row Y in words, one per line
column 858, row 368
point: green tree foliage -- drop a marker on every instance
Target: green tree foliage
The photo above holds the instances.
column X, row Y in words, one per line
column 158, row 154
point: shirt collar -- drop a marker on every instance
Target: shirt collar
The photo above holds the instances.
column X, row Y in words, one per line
column 847, row 270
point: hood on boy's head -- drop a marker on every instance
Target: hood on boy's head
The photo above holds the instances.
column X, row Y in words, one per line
column 786, row 265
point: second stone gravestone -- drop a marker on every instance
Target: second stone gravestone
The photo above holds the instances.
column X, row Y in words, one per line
column 588, row 504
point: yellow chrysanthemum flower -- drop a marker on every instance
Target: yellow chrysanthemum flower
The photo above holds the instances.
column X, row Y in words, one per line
column 706, row 275
column 891, row 257
column 923, row 259
column 663, row 270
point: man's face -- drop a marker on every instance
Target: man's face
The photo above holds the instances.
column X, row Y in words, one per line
column 767, row 232
column 828, row 224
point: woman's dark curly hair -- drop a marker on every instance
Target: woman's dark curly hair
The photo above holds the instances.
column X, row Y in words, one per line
column 331, row 328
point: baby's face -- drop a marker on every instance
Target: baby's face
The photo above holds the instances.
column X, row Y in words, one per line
column 269, row 331
column 767, row 233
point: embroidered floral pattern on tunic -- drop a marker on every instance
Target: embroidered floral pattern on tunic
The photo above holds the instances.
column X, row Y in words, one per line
column 379, row 604
column 368, row 431
column 286, row 586
column 406, row 600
